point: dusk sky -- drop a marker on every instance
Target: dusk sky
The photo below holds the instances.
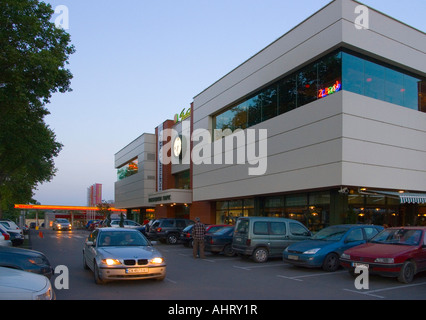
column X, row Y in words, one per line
column 138, row 62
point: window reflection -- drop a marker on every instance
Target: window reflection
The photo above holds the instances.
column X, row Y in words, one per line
column 334, row 72
column 128, row 169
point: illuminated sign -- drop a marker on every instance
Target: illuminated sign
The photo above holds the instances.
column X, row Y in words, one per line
column 182, row 115
column 330, row 90
column 73, row 208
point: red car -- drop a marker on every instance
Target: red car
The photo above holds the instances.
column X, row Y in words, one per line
column 395, row 252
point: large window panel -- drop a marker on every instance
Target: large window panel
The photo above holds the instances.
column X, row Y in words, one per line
column 411, row 92
column 374, row 76
column 394, row 86
column 287, row 94
column 352, row 73
column 269, row 98
column 329, row 74
column 307, row 85
column 254, row 107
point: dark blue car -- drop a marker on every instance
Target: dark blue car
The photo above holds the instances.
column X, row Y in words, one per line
column 323, row 250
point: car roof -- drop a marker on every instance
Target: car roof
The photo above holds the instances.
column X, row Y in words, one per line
column 114, row 229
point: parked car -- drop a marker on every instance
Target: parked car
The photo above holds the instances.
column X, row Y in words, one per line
column 4, row 237
column 264, row 237
column 10, row 225
column 396, row 252
column 15, row 235
column 186, row 234
column 26, row 260
column 168, row 229
column 325, row 247
column 61, row 224
column 126, row 223
column 22, row 285
column 220, row 241
column 122, row 254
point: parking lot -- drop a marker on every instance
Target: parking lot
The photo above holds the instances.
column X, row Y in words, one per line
column 241, row 278
column 217, row 277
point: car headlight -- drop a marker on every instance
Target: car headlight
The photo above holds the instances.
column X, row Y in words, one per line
column 46, row 295
column 157, row 260
column 384, row 260
column 345, row 256
column 312, row 251
column 111, row 262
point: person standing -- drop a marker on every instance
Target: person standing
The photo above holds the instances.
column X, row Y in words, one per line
column 198, row 233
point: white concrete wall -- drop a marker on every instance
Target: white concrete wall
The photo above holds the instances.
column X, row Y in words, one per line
column 321, row 144
column 132, row 192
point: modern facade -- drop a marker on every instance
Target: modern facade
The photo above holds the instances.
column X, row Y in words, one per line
column 339, row 107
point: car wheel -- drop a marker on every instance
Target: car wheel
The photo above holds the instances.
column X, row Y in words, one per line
column 407, row 272
column 97, row 277
column 260, row 255
column 172, row 238
column 331, row 262
column 228, row 251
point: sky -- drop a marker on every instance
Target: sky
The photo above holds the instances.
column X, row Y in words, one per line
column 139, row 62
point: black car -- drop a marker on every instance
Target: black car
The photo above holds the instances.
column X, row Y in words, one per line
column 168, row 229
column 26, row 260
column 220, row 241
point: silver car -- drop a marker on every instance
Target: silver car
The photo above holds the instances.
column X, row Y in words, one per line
column 122, row 254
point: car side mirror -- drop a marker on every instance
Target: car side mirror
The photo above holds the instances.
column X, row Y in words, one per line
column 89, row 243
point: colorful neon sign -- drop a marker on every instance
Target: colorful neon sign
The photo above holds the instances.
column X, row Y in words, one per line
column 330, row 90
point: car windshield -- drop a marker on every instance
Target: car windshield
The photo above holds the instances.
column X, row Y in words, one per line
column 121, row 238
column 333, row 233
column 62, row 220
column 409, row 237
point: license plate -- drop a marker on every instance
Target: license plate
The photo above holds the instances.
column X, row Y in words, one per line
column 293, row 257
column 360, row 265
column 137, row 270
column 238, row 239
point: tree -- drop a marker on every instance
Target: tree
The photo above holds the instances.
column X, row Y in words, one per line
column 33, row 58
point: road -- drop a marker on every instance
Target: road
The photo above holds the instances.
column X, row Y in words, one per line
column 215, row 278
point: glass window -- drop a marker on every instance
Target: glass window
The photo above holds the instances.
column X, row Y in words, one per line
column 296, row 200
column 287, row 94
column 278, row 228
column 239, row 120
column 329, row 74
column 269, row 98
column 370, row 232
column 411, row 92
column 422, row 96
column 307, row 85
column 128, row 169
column 254, row 107
column 260, row 227
column 355, row 235
column 298, row 230
column 374, row 80
column 352, row 73
column 394, row 86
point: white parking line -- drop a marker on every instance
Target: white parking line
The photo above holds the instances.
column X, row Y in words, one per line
column 371, row 292
column 259, row 266
column 297, row 278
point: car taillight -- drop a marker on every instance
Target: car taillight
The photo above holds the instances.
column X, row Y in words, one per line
column 211, row 241
column 188, row 235
column 6, row 236
column 248, row 242
column 158, row 229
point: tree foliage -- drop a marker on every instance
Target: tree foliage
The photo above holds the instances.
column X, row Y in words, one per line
column 33, row 59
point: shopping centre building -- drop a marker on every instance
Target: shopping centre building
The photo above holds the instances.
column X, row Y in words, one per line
column 325, row 125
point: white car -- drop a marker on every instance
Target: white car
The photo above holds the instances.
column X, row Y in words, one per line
column 10, row 225
column 5, row 238
column 126, row 224
column 21, row 285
